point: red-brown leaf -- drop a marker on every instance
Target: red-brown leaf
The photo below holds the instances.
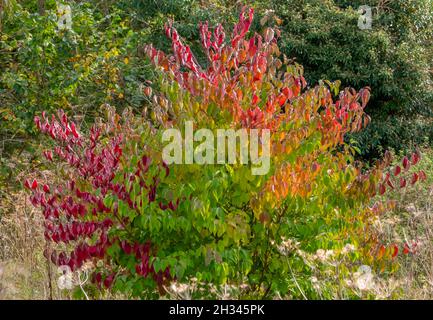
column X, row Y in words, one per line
column 406, row 163
column 382, row 189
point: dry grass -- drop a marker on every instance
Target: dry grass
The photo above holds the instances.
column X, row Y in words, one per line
column 24, row 271
column 21, row 266
column 416, row 270
column 412, row 221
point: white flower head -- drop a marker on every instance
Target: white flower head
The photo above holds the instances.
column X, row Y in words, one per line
column 364, row 278
column 324, row 255
column 329, row 254
column 65, row 17
column 320, row 254
column 66, row 279
column 315, row 283
column 348, row 248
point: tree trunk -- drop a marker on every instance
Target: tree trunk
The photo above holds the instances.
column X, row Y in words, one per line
column 41, row 7
column 1, row 14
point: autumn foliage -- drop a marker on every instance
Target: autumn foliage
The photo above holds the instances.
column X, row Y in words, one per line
column 153, row 224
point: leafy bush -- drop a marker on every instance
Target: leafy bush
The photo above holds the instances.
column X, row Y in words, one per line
column 77, row 70
column 98, row 61
column 143, row 224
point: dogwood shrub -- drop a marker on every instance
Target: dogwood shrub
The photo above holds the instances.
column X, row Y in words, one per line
column 146, row 226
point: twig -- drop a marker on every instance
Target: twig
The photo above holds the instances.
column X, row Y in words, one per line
column 294, row 279
column 50, row 286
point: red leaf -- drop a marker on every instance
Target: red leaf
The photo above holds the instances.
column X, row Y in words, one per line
column 394, row 251
column 46, row 188
column 27, row 184
column 406, row 249
column 37, row 122
column 34, row 184
column 74, row 130
column 255, row 99
column 98, row 278
column 365, row 96
column 49, row 155
column 402, row 182
column 287, row 92
column 406, row 164
column 282, row 99
column 422, row 175
column 390, row 184
column 414, row 178
column 415, row 158
column 397, row 170
column 382, row 189
column 147, row 91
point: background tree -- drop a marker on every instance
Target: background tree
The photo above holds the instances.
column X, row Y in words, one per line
column 393, row 58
